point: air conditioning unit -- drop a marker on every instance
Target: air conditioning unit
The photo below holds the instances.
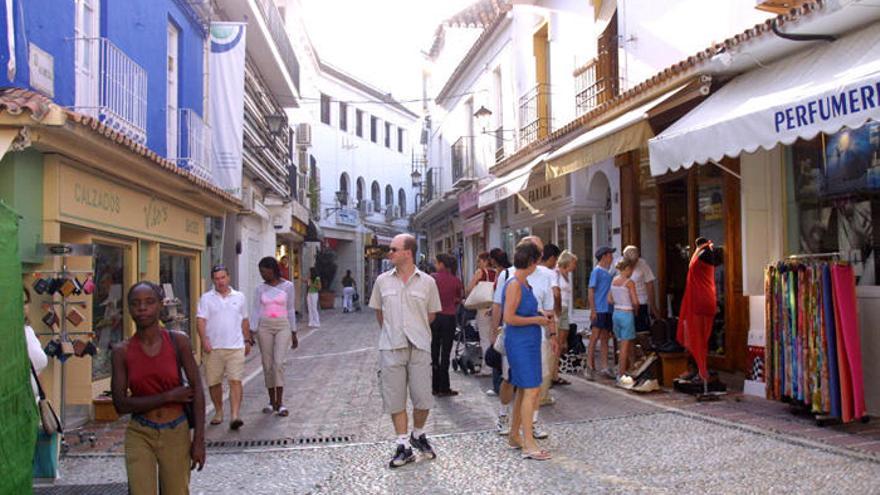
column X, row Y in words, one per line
column 304, row 134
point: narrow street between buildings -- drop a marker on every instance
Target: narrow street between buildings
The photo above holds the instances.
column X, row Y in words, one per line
column 336, row 439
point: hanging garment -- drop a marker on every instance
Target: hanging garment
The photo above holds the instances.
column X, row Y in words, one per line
column 846, row 317
column 831, row 339
column 698, row 308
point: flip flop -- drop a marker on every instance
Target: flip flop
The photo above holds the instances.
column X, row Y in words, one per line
column 283, row 412
column 561, row 381
column 537, row 455
column 217, row 420
column 236, row 424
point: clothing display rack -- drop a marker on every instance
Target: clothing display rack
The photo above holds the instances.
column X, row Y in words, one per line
column 813, row 349
column 62, row 252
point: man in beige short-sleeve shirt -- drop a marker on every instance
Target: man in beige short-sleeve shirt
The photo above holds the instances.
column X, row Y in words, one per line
column 406, row 300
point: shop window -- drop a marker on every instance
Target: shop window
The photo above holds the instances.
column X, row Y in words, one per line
column 108, row 305
column 175, row 272
column 582, row 246
column 833, row 196
column 710, row 224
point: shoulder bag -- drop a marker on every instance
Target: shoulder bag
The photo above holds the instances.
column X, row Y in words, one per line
column 188, row 406
column 48, row 418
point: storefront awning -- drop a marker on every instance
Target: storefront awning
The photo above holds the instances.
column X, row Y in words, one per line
column 625, row 133
column 819, row 90
column 512, row 183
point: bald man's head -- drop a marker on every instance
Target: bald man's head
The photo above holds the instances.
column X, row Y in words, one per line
column 532, row 239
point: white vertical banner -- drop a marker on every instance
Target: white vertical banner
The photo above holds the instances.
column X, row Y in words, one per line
column 226, row 104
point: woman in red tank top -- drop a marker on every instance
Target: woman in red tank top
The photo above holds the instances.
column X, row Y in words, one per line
column 146, row 382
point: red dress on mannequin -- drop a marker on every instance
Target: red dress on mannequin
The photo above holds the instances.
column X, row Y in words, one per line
column 698, row 308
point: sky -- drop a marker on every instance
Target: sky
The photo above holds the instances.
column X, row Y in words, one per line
column 379, row 41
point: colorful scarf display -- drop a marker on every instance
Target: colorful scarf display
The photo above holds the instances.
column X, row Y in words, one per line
column 813, row 352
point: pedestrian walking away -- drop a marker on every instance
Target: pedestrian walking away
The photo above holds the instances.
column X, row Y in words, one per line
column 600, row 312
column 224, row 330
column 564, row 267
column 349, row 288
column 644, row 279
column 522, row 343
column 274, row 317
column 626, row 302
column 406, row 301
column 486, row 272
column 314, row 289
column 443, row 327
column 147, row 383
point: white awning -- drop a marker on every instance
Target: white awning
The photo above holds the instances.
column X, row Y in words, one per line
column 820, row 90
column 508, row 185
column 624, row 133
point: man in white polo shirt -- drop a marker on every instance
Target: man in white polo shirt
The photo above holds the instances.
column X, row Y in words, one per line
column 226, row 339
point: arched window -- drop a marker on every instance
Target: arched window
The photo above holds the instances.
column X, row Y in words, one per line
column 376, row 196
column 389, row 195
column 361, row 185
column 343, row 184
column 401, row 201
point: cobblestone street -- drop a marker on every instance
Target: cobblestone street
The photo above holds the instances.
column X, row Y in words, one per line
column 336, row 440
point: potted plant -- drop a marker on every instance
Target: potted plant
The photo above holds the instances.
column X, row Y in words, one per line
column 325, row 265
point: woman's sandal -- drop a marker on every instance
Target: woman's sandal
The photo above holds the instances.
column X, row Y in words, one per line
column 283, row 412
column 537, row 455
column 513, row 445
column 217, row 420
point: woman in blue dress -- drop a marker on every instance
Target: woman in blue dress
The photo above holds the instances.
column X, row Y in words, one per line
column 522, row 342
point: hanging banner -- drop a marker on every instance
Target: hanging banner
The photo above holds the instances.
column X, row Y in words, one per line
column 227, row 103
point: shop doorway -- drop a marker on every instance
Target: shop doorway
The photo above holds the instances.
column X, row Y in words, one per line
column 704, row 202
column 176, row 274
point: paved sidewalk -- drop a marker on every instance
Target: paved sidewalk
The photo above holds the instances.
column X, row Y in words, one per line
column 604, row 439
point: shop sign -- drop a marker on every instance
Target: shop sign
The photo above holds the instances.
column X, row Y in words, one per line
column 541, row 195
column 94, row 202
column 42, row 70
column 473, row 225
column 299, row 227
column 469, row 200
column 347, row 216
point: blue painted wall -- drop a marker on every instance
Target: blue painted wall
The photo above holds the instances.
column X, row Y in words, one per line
column 137, row 27
column 49, row 25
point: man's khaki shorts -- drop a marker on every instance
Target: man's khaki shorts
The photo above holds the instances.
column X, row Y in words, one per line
column 224, row 361
column 400, row 369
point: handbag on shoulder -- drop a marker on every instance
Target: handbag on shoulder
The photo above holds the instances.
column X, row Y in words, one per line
column 481, row 296
column 48, row 419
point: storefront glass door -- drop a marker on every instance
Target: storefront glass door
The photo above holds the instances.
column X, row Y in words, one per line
column 676, row 252
column 108, row 304
column 175, row 273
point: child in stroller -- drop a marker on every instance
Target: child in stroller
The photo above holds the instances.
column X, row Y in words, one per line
column 468, row 355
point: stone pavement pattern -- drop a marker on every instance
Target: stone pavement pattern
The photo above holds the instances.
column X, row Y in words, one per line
column 604, row 440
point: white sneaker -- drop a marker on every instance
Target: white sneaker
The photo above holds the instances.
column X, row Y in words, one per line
column 502, row 425
column 539, row 432
column 626, row 382
column 490, row 392
column 647, row 386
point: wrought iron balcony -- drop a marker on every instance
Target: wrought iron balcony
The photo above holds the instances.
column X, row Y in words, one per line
column 463, row 161
column 534, row 113
column 433, row 185
column 194, row 144
column 591, row 88
column 116, row 92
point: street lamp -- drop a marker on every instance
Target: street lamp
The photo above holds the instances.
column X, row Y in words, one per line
column 416, row 178
column 275, row 123
column 483, row 115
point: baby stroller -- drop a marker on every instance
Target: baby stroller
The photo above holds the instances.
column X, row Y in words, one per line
column 468, row 355
column 356, row 301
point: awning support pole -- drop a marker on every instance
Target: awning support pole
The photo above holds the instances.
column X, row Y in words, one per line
column 722, row 167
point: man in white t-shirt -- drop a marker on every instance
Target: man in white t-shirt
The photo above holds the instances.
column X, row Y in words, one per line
column 222, row 322
column 542, row 288
column 644, row 279
column 546, row 271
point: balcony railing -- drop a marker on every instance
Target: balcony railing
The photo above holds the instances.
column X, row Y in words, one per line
column 591, row 88
column 117, row 93
column 279, row 36
column 433, row 186
column 194, row 144
column 463, row 161
column 534, row 112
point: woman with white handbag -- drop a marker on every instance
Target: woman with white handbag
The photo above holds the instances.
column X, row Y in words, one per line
column 479, row 296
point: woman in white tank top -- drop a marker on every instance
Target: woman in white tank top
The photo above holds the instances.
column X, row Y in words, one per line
column 625, row 300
